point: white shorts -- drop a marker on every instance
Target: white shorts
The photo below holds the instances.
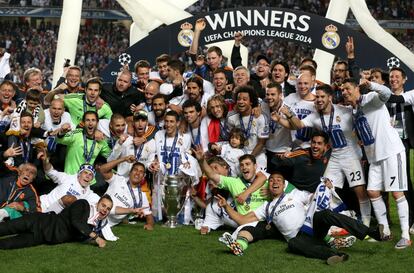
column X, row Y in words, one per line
column 388, row 174
column 349, row 168
column 217, row 217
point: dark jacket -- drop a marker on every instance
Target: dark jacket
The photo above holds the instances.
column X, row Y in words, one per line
column 120, row 102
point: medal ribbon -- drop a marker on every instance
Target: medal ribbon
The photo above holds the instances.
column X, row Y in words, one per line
column 168, row 156
column 87, row 156
column 269, row 216
column 98, row 228
column 224, row 134
column 26, row 150
column 85, row 104
column 328, row 129
column 198, row 136
column 134, row 198
column 249, row 126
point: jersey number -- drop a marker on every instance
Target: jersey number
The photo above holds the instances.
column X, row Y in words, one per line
column 355, row 176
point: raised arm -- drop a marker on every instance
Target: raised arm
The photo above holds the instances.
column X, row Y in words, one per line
column 211, row 174
column 106, row 169
column 199, row 27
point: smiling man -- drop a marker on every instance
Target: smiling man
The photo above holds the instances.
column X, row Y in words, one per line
column 284, row 217
column 82, row 147
column 127, row 193
column 76, row 185
column 78, row 104
column 78, row 222
column 345, row 161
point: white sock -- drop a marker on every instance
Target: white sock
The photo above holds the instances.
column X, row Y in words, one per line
column 3, row 214
column 381, row 213
column 365, row 208
column 402, row 206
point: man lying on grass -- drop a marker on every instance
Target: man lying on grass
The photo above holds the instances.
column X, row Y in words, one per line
column 78, row 222
column 286, row 217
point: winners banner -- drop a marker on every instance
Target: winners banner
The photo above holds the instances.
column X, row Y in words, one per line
column 271, row 23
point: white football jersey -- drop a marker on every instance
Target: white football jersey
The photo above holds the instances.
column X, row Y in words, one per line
column 343, row 140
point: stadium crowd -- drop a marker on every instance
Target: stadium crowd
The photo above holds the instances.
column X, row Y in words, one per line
column 267, row 155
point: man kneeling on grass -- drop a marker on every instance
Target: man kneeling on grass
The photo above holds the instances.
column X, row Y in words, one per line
column 286, row 217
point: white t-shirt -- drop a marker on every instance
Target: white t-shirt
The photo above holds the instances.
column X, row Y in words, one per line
column 259, row 128
column 343, row 140
column 289, row 214
column 280, row 139
column 128, row 148
column 121, row 196
column 302, row 109
column 67, row 185
column 387, row 141
column 231, row 156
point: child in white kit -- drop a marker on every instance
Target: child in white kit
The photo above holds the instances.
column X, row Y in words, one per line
column 232, row 150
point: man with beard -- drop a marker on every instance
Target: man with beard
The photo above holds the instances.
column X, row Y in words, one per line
column 126, row 192
column 141, row 145
column 220, row 87
column 197, row 130
column 120, row 95
column 280, row 140
column 78, row 104
column 159, row 107
column 82, row 146
column 17, row 194
column 162, row 67
column 345, row 160
column 78, row 222
column 304, row 167
column 339, row 74
column 113, row 129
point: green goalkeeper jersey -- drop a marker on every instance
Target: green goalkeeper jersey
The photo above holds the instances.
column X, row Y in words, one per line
column 236, row 186
column 77, row 105
column 77, row 153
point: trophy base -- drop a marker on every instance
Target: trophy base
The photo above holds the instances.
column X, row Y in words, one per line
column 171, row 224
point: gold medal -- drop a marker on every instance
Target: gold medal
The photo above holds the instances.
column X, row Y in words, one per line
column 168, row 165
column 268, row 226
column 246, row 143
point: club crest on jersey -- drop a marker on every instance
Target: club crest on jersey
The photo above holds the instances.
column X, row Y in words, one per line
column 331, row 39
column 185, row 36
column 180, row 141
column 338, row 119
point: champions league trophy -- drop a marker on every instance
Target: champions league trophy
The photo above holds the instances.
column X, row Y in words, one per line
column 175, row 196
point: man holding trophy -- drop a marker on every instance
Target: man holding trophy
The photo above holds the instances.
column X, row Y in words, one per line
column 178, row 167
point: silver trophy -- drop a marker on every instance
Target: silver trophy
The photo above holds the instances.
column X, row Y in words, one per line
column 175, row 195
